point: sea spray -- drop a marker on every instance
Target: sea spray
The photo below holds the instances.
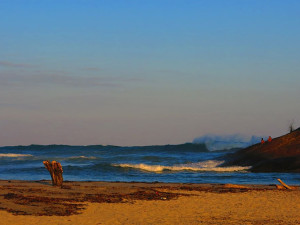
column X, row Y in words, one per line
column 220, row 142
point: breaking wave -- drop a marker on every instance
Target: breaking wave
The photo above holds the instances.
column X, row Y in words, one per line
column 12, row 155
column 83, row 157
column 206, row 166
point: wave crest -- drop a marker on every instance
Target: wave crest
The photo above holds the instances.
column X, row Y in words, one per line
column 83, row 157
column 206, row 166
column 13, row 155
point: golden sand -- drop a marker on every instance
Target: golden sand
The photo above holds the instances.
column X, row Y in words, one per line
column 193, row 204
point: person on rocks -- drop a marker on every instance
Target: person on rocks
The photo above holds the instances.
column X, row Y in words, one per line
column 269, row 139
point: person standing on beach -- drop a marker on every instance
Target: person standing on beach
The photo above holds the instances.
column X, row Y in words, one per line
column 262, row 141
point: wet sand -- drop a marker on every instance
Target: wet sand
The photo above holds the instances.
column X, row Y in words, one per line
column 24, row 202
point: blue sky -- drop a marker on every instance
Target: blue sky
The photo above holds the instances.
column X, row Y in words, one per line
column 147, row 72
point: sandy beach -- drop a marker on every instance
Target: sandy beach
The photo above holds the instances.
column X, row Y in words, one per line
column 23, row 202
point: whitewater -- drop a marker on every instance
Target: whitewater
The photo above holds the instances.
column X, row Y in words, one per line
column 186, row 163
column 206, row 166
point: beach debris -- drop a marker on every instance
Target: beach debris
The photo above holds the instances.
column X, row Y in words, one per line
column 284, row 185
column 235, row 186
column 280, row 187
column 55, row 170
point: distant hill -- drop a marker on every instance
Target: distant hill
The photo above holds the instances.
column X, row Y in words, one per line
column 282, row 154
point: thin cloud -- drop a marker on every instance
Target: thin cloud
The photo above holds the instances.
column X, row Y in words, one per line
column 58, row 79
column 14, row 65
column 73, row 81
column 19, row 106
column 93, row 69
column 167, row 71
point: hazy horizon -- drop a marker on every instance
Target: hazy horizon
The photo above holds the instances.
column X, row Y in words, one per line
column 147, row 72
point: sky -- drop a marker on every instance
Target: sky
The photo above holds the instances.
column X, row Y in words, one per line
column 147, row 72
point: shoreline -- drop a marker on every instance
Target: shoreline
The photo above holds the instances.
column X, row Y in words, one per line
column 38, row 202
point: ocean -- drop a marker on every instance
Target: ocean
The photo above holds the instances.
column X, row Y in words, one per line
column 186, row 163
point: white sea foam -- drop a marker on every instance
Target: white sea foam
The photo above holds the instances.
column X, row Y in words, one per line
column 12, row 155
column 83, row 157
column 206, row 166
